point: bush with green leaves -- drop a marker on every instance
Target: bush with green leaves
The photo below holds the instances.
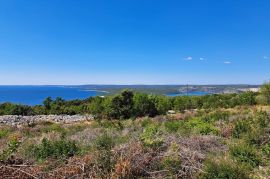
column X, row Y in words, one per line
column 172, row 160
column 241, row 127
column 13, row 145
column 215, row 116
column 264, row 97
column 223, row 169
column 262, row 119
column 104, row 145
column 173, row 126
column 4, row 132
column 266, row 150
column 15, row 109
column 172, row 164
column 255, row 136
column 145, row 105
column 54, row 127
column 152, row 136
column 201, row 127
column 245, row 154
column 53, row 149
column 145, row 122
column 104, row 142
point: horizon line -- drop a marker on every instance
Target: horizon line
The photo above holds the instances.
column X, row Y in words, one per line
column 192, row 84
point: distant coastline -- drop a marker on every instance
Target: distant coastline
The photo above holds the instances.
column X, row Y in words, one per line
column 97, row 91
column 35, row 94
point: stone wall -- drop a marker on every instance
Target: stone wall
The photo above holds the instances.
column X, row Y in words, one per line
column 18, row 120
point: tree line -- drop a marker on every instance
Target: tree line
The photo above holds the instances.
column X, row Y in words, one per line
column 129, row 104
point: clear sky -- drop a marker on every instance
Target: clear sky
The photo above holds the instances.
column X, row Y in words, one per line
column 134, row 41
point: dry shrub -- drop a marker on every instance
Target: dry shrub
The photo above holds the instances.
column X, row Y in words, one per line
column 122, row 169
column 178, row 157
column 183, row 116
column 14, row 173
column 131, row 160
column 137, row 161
column 86, row 136
column 227, row 131
column 79, row 167
column 160, row 118
column 193, row 151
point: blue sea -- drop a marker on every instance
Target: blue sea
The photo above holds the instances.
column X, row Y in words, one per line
column 33, row 95
column 193, row 93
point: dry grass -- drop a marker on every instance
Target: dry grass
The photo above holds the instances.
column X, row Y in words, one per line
column 178, row 156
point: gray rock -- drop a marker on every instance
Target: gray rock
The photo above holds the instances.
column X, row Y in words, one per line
column 19, row 120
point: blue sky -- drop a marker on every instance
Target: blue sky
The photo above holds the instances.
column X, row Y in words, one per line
column 134, row 42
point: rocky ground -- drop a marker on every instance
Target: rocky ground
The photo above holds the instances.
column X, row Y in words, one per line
column 15, row 120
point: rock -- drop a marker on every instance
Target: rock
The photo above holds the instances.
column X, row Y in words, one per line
column 15, row 120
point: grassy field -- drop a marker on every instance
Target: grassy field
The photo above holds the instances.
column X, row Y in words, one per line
column 221, row 143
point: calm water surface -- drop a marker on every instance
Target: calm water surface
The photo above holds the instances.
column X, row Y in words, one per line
column 33, row 95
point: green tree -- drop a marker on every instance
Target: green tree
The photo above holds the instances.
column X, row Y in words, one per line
column 163, row 104
column 15, row 109
column 247, row 98
column 47, row 103
column 181, row 103
column 59, row 101
column 96, row 107
column 265, row 93
column 144, row 105
column 126, row 104
column 119, row 106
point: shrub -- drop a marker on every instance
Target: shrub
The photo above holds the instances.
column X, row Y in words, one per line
column 265, row 93
column 245, row 154
column 4, row 133
column 146, row 121
column 215, row 116
column 172, row 126
column 13, row 145
column 241, row 127
column 202, row 127
column 223, row 169
column 108, row 124
column 172, row 164
column 53, row 149
column 151, row 136
column 104, row 142
column 262, row 119
column 172, row 161
column 54, row 127
column 266, row 149
column 104, row 145
column 255, row 136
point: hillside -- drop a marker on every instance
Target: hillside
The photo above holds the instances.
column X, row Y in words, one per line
column 170, row 89
column 199, row 144
column 137, row 135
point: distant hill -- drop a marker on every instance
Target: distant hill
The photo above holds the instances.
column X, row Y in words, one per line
column 173, row 89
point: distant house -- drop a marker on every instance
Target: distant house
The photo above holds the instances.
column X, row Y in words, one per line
column 249, row 89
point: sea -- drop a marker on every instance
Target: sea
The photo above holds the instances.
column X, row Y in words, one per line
column 192, row 93
column 35, row 95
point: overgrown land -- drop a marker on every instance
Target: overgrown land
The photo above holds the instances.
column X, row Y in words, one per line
column 134, row 136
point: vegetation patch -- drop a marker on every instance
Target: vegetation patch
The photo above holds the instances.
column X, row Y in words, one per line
column 53, row 149
column 151, row 136
column 132, row 136
column 245, row 154
column 221, row 169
